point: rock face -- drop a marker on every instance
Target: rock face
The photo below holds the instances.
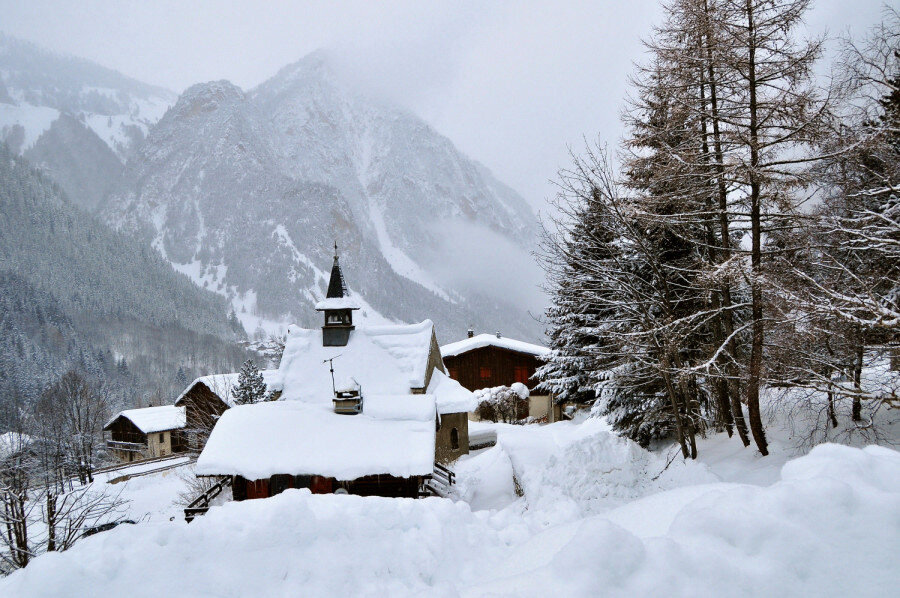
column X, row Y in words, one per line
column 247, row 192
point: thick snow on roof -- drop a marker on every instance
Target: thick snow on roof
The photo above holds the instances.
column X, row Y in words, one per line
column 382, row 359
column 492, row 340
column 337, row 303
column 153, row 419
column 224, row 384
column 399, row 407
column 297, row 438
column 450, row 395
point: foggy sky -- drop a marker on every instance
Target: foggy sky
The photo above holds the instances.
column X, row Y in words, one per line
column 512, row 84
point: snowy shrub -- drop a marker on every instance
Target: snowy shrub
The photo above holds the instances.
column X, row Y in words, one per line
column 507, row 404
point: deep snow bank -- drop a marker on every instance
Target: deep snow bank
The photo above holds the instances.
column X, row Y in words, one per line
column 567, row 470
column 830, row 527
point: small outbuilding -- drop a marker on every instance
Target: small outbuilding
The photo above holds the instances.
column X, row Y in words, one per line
column 136, row 434
column 491, row 360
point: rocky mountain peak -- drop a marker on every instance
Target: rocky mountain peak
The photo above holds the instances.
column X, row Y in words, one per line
column 207, row 97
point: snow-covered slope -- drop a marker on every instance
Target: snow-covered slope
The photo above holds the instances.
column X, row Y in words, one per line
column 399, row 175
column 246, row 193
column 38, row 87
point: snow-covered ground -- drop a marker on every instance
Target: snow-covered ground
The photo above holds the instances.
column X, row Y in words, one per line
column 566, row 509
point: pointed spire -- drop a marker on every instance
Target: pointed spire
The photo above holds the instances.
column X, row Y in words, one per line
column 337, row 288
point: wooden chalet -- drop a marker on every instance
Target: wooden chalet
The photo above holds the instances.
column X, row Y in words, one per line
column 136, row 434
column 489, row 360
column 206, row 399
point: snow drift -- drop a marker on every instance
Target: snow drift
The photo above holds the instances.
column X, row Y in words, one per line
column 829, row 527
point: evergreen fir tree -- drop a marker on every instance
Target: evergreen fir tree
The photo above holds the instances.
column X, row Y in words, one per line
column 251, row 387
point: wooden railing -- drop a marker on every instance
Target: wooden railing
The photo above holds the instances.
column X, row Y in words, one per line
column 200, row 505
column 444, row 474
column 440, row 483
column 120, row 445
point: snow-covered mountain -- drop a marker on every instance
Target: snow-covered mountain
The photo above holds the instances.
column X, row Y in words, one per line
column 246, row 193
column 78, row 120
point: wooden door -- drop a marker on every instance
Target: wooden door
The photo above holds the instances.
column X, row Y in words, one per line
column 321, row 485
column 258, row 488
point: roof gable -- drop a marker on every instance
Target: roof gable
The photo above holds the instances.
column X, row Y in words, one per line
column 223, row 385
column 152, row 419
column 492, row 340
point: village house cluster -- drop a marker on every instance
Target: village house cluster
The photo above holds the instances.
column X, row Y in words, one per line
column 366, row 410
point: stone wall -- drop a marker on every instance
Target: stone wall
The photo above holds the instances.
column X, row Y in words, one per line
column 444, row 445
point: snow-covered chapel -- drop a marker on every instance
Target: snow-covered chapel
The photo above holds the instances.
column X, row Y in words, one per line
column 366, row 410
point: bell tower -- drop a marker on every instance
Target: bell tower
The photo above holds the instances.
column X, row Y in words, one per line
column 338, row 308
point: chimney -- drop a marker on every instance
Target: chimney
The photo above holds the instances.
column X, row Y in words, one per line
column 498, row 334
column 471, row 332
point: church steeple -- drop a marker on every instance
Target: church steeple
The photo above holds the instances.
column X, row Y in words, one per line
column 337, row 288
column 338, row 308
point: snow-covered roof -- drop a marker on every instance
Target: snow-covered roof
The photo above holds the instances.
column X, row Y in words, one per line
column 400, row 407
column 492, row 340
column 337, row 303
column 223, row 385
column 393, row 435
column 381, row 359
column 153, row 419
column 450, row 395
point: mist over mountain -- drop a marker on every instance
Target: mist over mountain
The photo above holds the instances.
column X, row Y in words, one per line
column 76, row 119
column 247, row 192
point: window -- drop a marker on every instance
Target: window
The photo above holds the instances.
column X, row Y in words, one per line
column 162, row 437
column 454, row 439
column 338, row 318
column 484, row 372
column 520, row 373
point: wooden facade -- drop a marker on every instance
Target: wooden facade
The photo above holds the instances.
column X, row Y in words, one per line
column 202, row 408
column 371, row 485
column 128, row 443
column 486, row 367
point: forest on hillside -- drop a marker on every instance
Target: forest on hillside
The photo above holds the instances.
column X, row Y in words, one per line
column 75, row 295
